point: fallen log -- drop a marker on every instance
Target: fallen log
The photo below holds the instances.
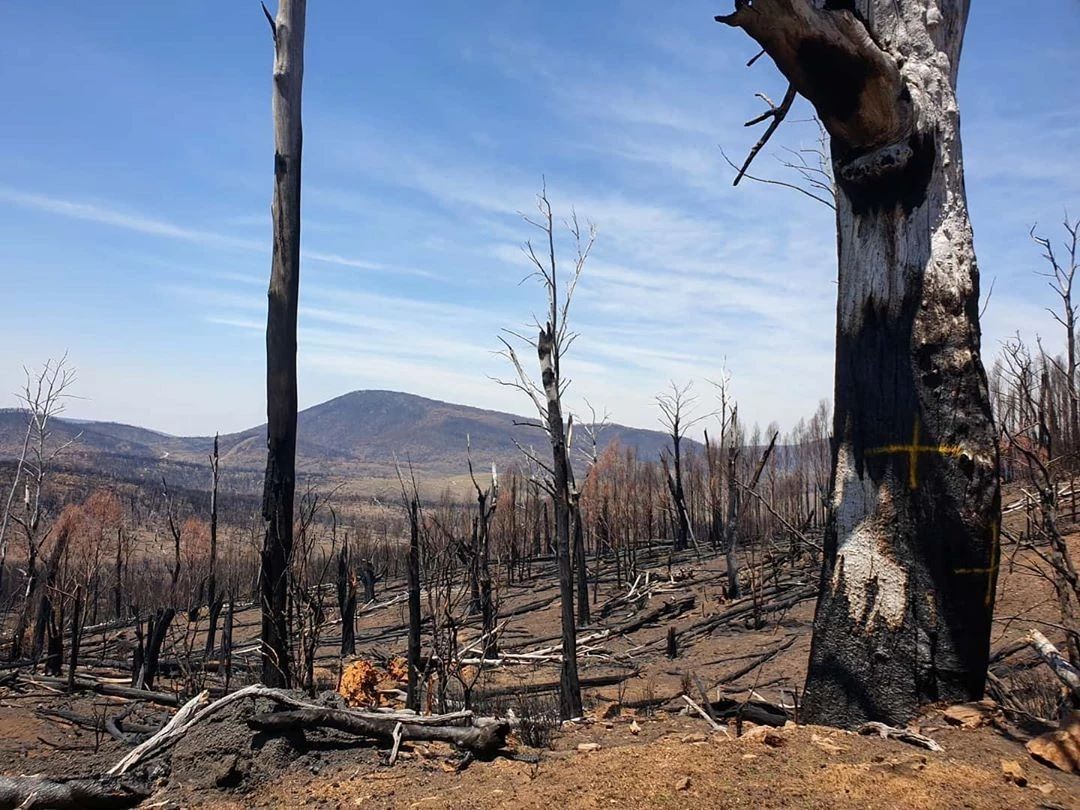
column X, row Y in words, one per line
column 109, row 689
column 483, row 737
column 105, row 792
column 1066, row 672
column 552, row 686
column 194, row 712
column 758, row 661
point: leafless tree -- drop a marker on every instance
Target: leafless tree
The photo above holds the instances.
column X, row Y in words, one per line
column 280, row 483
column 1060, row 274
column 677, row 417
column 213, row 597
column 912, row 546
column 45, row 395
column 487, row 500
column 552, row 343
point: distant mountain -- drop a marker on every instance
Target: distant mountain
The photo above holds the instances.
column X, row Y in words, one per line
column 356, row 434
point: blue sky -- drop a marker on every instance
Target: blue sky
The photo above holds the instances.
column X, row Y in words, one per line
column 135, row 180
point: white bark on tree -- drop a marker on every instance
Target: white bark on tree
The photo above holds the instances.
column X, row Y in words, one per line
column 911, row 553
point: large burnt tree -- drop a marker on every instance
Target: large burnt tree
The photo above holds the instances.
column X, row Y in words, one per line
column 280, row 482
column 911, row 553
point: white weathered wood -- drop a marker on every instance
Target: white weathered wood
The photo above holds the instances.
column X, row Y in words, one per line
column 902, row 734
column 1066, row 672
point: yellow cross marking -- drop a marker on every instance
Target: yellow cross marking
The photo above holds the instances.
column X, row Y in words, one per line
column 995, row 529
column 912, row 451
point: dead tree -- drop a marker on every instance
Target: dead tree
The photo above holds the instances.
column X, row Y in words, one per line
column 44, row 396
column 551, row 344
column 415, row 617
column 346, row 595
column 911, row 553
column 1060, row 276
column 577, row 525
column 731, row 520
column 676, row 415
column 279, row 487
column 213, row 598
column 487, row 500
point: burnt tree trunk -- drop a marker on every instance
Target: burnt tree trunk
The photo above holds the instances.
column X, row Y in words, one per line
column 213, row 599
column 569, row 686
column 346, row 594
column 415, row 618
column 581, row 572
column 911, row 551
column 280, row 482
column 731, row 525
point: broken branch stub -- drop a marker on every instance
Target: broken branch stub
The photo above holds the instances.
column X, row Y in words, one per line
column 831, row 59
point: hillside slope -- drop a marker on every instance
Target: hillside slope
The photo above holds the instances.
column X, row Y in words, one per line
column 355, row 434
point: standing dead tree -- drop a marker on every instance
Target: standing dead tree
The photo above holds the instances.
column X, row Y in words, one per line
column 553, row 341
column 44, row 396
column 1061, row 274
column 279, row 487
column 346, row 594
column 410, row 500
column 676, row 415
column 213, row 597
column 487, row 500
column 911, row 552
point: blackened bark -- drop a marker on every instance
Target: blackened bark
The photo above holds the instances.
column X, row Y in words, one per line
column 281, row 398
column 569, row 686
column 369, row 578
column 157, row 628
column 212, row 597
column 581, row 572
column 346, row 594
column 413, row 573
column 76, row 636
column 911, row 549
column 226, row 640
column 731, row 525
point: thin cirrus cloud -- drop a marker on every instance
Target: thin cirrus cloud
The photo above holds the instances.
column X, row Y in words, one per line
column 150, row 226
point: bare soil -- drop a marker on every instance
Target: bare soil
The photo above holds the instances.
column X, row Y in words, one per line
column 651, row 756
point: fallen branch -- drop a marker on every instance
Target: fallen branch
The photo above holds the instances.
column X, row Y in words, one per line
column 901, row 734
column 39, row 791
column 378, row 724
column 1066, row 672
column 705, row 715
column 484, row 737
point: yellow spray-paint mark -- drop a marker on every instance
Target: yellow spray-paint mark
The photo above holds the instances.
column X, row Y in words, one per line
column 912, row 452
column 995, row 529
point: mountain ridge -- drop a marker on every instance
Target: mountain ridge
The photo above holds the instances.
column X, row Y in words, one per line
column 357, row 433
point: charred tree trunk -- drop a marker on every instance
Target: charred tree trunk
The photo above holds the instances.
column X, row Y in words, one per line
column 911, row 551
column 581, row 572
column 118, row 587
column 76, row 636
column 731, row 525
column 369, row 578
column 157, row 628
column 49, row 591
column 569, row 686
column 346, row 594
column 226, row 640
column 280, row 483
column 415, row 618
column 212, row 597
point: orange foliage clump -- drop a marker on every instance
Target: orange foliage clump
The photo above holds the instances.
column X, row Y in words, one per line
column 362, row 681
